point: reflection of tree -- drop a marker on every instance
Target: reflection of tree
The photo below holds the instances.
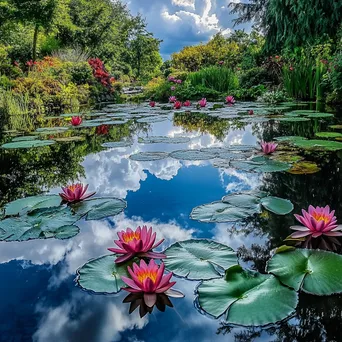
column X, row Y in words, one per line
column 27, row 172
column 316, row 319
column 193, row 121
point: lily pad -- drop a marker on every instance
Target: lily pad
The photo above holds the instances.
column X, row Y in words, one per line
column 319, row 145
column 320, row 115
column 199, row 259
column 290, row 138
column 28, row 144
column 149, row 156
column 304, row 168
column 328, row 135
column 164, row 140
column 192, row 155
column 99, row 208
column 25, row 138
column 277, row 205
column 58, row 129
column 261, row 164
column 336, row 126
column 117, row 144
column 247, row 298
column 152, row 119
column 69, row 139
column 314, row 271
column 102, row 275
column 293, row 119
column 220, row 212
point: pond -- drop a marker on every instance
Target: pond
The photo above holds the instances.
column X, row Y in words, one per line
column 166, row 165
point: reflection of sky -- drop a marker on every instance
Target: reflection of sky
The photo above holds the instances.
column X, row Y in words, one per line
column 38, row 296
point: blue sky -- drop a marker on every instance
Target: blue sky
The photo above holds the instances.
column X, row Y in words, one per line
column 184, row 22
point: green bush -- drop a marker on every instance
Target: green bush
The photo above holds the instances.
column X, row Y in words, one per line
column 254, row 77
column 80, row 72
column 221, row 79
column 250, row 94
column 336, row 74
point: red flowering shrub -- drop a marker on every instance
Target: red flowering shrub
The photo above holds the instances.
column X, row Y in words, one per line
column 101, row 74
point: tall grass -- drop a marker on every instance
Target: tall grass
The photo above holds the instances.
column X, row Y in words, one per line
column 303, row 80
column 13, row 104
column 217, row 78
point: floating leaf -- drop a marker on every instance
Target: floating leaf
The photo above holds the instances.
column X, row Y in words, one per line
column 165, row 140
column 117, row 144
column 69, row 139
column 290, row 138
column 192, row 155
column 328, row 135
column 304, row 168
column 243, row 201
column 292, row 119
column 261, row 164
column 336, row 126
column 153, row 119
column 314, row 271
column 99, row 208
column 319, row 145
column 247, row 298
column 102, row 275
column 149, row 156
column 320, row 115
column 199, row 259
column 277, row 205
column 58, row 129
column 28, row 144
column 220, row 212
column 25, row 138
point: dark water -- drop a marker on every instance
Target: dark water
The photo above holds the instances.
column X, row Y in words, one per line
column 39, row 299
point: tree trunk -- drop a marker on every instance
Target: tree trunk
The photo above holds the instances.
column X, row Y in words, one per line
column 35, row 40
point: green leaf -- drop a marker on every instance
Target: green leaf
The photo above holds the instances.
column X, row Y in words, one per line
column 277, row 205
column 247, row 298
column 261, row 164
column 152, row 119
column 102, row 275
column 328, row 135
column 99, row 208
column 243, row 201
column 149, row 156
column 23, row 205
column 28, row 144
column 164, row 140
column 220, row 212
column 192, row 155
column 314, row 271
column 319, row 145
column 199, row 259
column 25, row 138
column 304, row 168
column 117, row 144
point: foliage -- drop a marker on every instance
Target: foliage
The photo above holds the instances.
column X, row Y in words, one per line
column 274, row 96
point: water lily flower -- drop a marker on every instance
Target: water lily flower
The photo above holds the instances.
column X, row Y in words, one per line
column 202, row 102
column 177, row 105
column 75, row 193
column 230, row 100
column 173, row 88
column 316, row 222
column 268, row 147
column 150, row 280
column 76, row 120
column 187, row 103
column 152, row 104
column 251, row 112
column 102, row 130
column 136, row 243
column 172, row 99
column 291, row 68
column 179, row 81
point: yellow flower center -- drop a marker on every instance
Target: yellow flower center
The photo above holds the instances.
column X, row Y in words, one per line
column 128, row 237
column 321, row 217
column 143, row 275
column 73, row 187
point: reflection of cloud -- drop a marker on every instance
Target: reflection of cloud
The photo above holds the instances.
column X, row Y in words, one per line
column 101, row 320
column 241, row 180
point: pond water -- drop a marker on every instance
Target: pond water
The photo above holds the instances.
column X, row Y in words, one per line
column 39, row 298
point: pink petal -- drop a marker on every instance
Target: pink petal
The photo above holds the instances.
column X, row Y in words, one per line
column 130, row 283
column 301, row 234
column 166, row 287
column 333, row 233
column 117, row 250
column 174, row 293
column 158, row 243
column 124, row 258
column 301, row 228
column 153, row 255
column 150, row 299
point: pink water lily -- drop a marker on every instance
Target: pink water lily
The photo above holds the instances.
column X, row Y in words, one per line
column 179, row 81
column 173, row 88
column 187, row 103
column 150, row 280
column 76, row 120
column 202, row 102
column 172, row 99
column 316, row 222
column 136, row 243
column 152, row 104
column 75, row 193
column 177, row 105
column 251, row 112
column 268, row 147
column 230, row 100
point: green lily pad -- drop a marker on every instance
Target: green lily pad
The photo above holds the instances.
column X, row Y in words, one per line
column 69, row 139
column 328, row 135
column 164, row 140
column 102, row 275
column 220, row 212
column 243, row 201
column 304, row 168
column 28, row 144
column 23, row 205
column 99, row 208
column 25, row 138
column 288, row 157
column 277, row 205
column 149, row 156
column 192, row 155
column 58, row 129
column 152, row 119
column 117, row 144
column 261, row 164
column 293, row 119
column 247, row 298
column 290, row 138
column 336, row 126
column 314, row 271
column 319, row 145
column 320, row 115
column 199, row 259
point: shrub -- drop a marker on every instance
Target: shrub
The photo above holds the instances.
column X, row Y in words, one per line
column 275, row 96
column 335, row 72
column 80, row 72
column 251, row 93
column 216, row 78
column 255, row 76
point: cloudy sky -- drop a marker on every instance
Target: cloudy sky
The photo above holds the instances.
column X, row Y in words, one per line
column 184, row 22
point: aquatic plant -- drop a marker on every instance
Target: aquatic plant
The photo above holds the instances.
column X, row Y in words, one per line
column 251, row 112
column 202, row 102
column 268, row 147
column 177, row 105
column 230, row 100
column 316, row 222
column 150, row 280
column 187, row 103
column 173, row 88
column 136, row 243
column 152, row 104
column 75, row 193
column 172, row 99
column 76, row 120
